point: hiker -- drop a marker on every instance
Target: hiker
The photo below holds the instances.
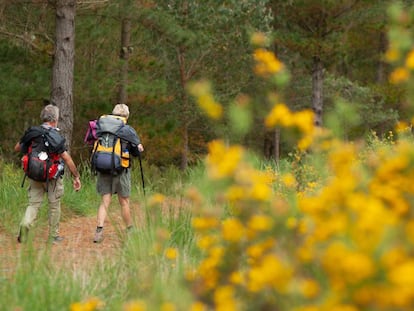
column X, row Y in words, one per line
column 115, row 180
column 52, row 186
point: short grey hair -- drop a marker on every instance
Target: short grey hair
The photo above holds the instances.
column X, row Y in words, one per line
column 121, row 110
column 50, row 113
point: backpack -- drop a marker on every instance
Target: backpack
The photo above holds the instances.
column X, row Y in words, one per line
column 41, row 160
column 90, row 135
column 109, row 156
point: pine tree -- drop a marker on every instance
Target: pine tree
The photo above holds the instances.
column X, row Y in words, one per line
column 316, row 30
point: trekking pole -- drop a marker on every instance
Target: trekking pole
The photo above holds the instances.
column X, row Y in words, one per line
column 142, row 173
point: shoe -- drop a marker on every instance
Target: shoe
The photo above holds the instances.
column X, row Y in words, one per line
column 57, row 239
column 98, row 237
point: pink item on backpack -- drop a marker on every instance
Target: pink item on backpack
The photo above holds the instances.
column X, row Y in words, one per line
column 90, row 136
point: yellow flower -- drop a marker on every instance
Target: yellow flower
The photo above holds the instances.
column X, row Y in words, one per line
column 207, row 270
column 235, row 193
column 343, row 307
column 402, row 126
column 156, row 199
column 260, row 192
column 201, row 90
column 232, row 230
column 88, row 305
column 403, row 274
column 344, row 265
column 409, row 62
column 255, row 251
column 304, row 120
column 237, row 278
column 309, row 288
column 213, row 109
column 171, row 253
column 205, row 242
column 308, row 308
column 168, row 306
column 224, row 299
column 291, row 222
column 260, row 223
column 358, row 267
column 269, row 273
column 289, row 180
column 222, row 161
column 198, row 306
column 137, row 305
column 392, row 55
column 205, row 223
column 399, row 75
column 394, row 257
column 279, row 115
column 266, row 63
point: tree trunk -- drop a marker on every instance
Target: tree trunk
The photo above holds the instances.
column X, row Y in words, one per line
column 183, row 81
column 124, row 56
column 276, row 142
column 382, row 48
column 184, row 153
column 272, row 144
column 63, row 66
column 184, row 98
column 317, row 90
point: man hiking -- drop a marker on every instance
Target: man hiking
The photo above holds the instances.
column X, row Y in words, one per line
column 49, row 180
column 111, row 159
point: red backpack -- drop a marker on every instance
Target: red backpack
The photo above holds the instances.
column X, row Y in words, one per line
column 41, row 160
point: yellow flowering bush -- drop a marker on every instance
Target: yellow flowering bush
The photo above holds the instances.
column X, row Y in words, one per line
column 334, row 231
column 338, row 240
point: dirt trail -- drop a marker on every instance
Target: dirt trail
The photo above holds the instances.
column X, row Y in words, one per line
column 76, row 251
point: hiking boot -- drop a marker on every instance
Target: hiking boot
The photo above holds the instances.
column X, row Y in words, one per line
column 57, row 239
column 98, row 237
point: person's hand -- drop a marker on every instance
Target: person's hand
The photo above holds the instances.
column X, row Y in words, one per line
column 77, row 183
column 140, row 148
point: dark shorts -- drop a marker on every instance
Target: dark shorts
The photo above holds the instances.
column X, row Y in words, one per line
column 120, row 184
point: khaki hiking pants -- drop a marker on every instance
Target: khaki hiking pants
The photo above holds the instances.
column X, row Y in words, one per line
column 36, row 192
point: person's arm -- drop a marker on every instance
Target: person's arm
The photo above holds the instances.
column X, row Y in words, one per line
column 17, row 147
column 135, row 150
column 72, row 168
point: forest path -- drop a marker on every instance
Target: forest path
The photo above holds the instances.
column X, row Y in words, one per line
column 76, row 252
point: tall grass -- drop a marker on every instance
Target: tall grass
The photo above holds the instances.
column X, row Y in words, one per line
column 148, row 265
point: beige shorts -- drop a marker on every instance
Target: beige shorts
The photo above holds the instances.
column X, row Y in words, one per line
column 120, row 184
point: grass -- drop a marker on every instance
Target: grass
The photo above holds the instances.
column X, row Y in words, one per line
column 139, row 269
column 247, row 235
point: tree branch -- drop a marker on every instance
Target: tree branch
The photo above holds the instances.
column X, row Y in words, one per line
column 25, row 39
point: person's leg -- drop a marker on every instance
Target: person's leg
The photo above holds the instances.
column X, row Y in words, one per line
column 54, row 194
column 35, row 195
column 102, row 212
column 124, row 192
column 125, row 210
column 103, row 209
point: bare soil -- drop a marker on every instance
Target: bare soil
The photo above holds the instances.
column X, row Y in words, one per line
column 76, row 252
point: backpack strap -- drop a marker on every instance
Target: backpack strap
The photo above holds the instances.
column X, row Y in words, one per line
column 95, row 147
column 28, row 136
column 113, row 156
